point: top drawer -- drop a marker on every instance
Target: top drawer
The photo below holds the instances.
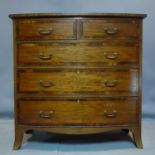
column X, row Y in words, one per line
column 46, row 29
column 109, row 28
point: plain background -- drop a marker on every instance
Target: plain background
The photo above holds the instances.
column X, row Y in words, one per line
column 79, row 6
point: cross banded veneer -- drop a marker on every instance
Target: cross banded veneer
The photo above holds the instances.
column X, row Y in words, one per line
column 77, row 73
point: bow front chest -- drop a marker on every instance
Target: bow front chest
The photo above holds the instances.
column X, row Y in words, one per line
column 77, row 73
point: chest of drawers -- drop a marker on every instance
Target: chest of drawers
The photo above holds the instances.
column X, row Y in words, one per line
column 77, row 73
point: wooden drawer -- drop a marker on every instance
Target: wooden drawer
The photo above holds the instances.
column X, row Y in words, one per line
column 46, row 29
column 61, row 54
column 62, row 82
column 46, row 112
column 109, row 28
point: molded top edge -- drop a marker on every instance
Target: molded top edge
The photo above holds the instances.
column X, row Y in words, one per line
column 39, row 15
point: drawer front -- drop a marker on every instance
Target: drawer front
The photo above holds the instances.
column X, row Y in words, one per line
column 46, row 29
column 104, row 112
column 61, row 82
column 61, row 54
column 109, row 28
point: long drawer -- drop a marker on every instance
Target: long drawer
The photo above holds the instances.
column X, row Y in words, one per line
column 109, row 28
column 79, row 81
column 48, row 112
column 61, row 54
column 46, row 29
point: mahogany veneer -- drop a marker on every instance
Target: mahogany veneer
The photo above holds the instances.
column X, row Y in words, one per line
column 77, row 73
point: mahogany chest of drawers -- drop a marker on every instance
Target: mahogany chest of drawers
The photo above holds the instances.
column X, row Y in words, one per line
column 77, row 73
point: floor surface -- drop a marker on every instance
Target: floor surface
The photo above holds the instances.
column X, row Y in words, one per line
column 117, row 143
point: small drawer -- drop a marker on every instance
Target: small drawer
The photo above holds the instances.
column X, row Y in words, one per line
column 109, row 28
column 46, row 29
column 77, row 112
column 86, row 54
column 105, row 82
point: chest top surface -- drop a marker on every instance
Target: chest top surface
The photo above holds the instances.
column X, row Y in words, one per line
column 36, row 15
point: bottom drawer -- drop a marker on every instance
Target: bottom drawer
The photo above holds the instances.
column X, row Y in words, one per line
column 99, row 112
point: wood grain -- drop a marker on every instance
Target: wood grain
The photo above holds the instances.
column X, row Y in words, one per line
column 77, row 73
column 77, row 112
column 86, row 54
column 109, row 28
column 80, row 81
column 46, row 29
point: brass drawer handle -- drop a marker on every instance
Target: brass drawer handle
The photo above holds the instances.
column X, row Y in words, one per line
column 110, row 115
column 45, row 32
column 45, row 116
column 43, row 57
column 112, row 83
column 111, row 31
column 46, row 85
column 111, row 55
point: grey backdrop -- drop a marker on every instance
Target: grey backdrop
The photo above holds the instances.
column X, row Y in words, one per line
column 29, row 6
